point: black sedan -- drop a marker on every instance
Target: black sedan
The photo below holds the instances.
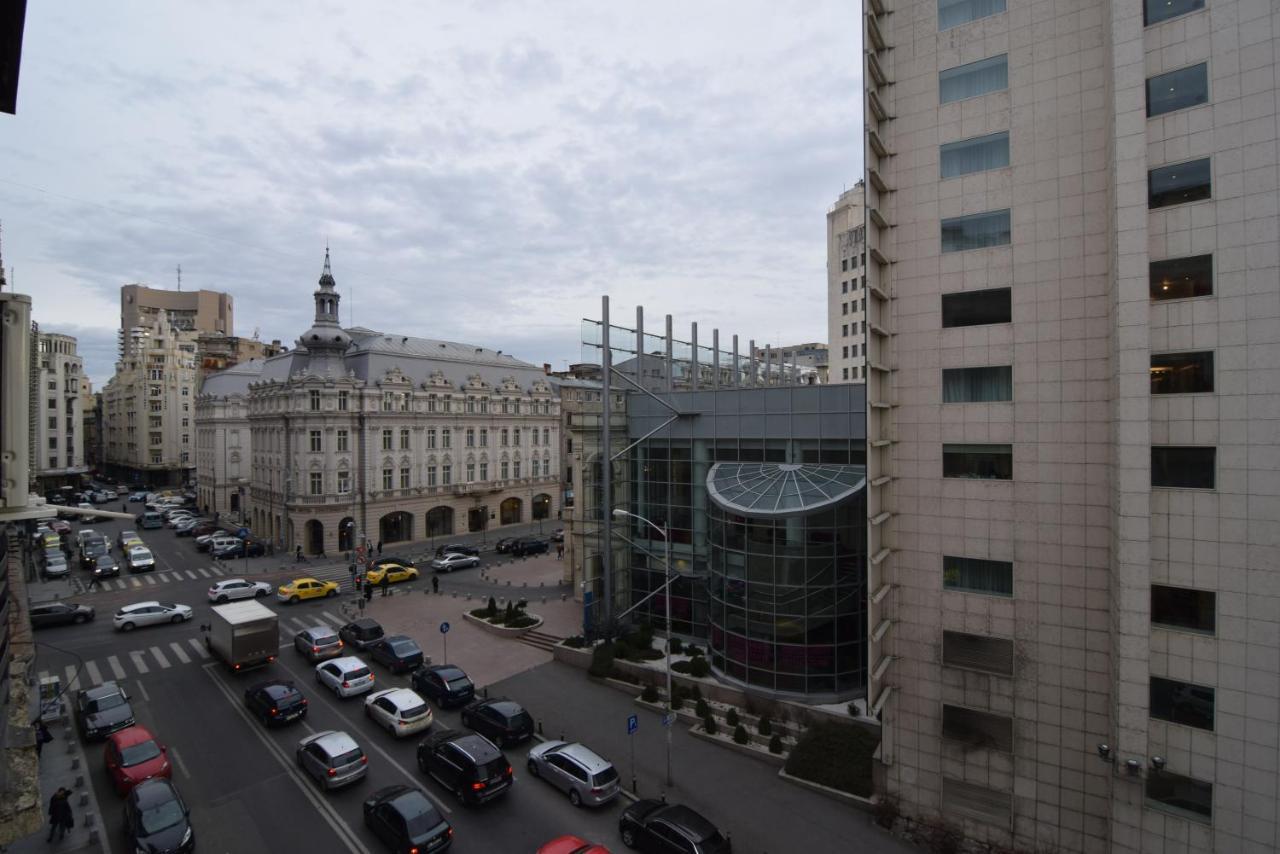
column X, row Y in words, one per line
column 276, row 701
column 504, row 545
column 397, row 653
column 106, row 567
column 59, row 614
column 103, row 710
column 500, row 720
column 406, row 820
column 654, row 826
column 157, row 820
column 91, row 551
column 444, row 683
column 457, row 549
column 238, row 550
column 529, row 546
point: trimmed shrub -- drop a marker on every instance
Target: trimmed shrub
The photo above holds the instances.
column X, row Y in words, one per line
column 575, row 642
column 677, row 697
column 943, row 838
column 835, row 755
column 740, row 735
column 887, row 811
column 700, row 708
column 521, row 621
column 676, row 645
column 731, row 718
column 649, row 694
column 482, row 613
column 709, row 723
column 647, row 654
column 693, row 649
column 853, row 710
column 680, row 667
column 695, row 692
column 699, row 668
column 775, row 744
column 493, row 607
column 602, row 661
column 765, row 727
column 622, row 649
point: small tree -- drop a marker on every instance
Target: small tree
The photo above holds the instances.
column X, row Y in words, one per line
column 675, row 645
column 765, row 727
column 740, row 735
column 601, row 661
column 709, row 723
column 649, row 694
column 677, row 697
column 731, row 719
column 493, row 607
column 699, row 668
column 510, row 612
column 700, row 708
column 775, row 744
column 695, row 692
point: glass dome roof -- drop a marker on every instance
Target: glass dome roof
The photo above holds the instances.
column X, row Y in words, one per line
column 782, row 489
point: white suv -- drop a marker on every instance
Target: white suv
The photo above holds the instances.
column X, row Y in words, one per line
column 346, row 676
column 238, row 588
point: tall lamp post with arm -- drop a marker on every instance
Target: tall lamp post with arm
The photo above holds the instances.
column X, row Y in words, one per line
column 666, row 588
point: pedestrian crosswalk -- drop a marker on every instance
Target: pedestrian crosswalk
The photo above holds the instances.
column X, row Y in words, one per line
column 153, row 659
column 137, row 582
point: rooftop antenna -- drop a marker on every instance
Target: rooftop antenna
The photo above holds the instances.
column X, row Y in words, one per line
column 179, row 277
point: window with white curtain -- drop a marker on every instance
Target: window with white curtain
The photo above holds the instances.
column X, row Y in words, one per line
column 980, row 154
column 953, row 13
column 974, row 79
column 977, row 385
column 976, row 231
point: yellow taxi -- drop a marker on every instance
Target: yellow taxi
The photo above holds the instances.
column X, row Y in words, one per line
column 306, row 588
column 394, row 572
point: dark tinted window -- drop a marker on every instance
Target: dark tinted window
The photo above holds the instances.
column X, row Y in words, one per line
column 347, row 758
column 979, row 154
column 985, row 462
column 976, row 231
column 977, row 652
column 1181, row 278
column 977, row 307
column 143, row 752
column 1183, row 608
column 1177, row 90
column 1182, row 702
column 974, row 575
column 1181, row 373
column 976, row 728
column 493, row 768
column 1188, row 797
column 605, row 777
column 1183, row 467
column 953, row 13
column 1155, row 11
column 358, row 673
column 1179, row 183
column 977, row 385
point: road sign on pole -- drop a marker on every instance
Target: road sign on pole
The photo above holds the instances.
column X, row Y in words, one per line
column 444, row 636
column 633, row 724
column 668, row 719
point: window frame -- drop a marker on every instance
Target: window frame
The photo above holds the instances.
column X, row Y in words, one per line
column 995, row 565
column 1168, row 361
column 946, row 74
column 966, row 379
column 1169, row 608
column 959, row 144
column 1162, row 274
column 1165, row 776
column 1168, row 685
column 971, row 445
column 954, row 221
column 1164, row 200
column 1146, row 9
column 1004, row 7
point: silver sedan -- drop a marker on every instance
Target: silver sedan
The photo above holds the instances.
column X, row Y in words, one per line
column 149, row 614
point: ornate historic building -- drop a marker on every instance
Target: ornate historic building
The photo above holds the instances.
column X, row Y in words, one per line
column 361, row 435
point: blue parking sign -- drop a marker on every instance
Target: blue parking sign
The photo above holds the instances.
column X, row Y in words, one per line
column 444, row 628
column 633, row 724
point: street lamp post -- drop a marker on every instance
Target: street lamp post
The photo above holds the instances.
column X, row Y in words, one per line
column 666, row 584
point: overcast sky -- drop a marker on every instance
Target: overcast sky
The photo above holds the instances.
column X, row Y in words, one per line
column 483, row 171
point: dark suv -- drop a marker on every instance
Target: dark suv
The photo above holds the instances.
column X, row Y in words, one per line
column 444, row 683
column 530, row 546
column 502, row 721
column 276, row 702
column 466, row 764
column 361, row 633
column 655, row 826
column 92, row 550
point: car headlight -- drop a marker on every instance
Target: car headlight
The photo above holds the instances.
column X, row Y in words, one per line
column 186, row 837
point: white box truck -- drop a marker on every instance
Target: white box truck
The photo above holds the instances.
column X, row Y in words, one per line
column 244, row 634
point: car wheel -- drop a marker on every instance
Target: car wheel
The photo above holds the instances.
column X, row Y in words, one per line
column 391, row 728
column 293, row 600
column 331, row 594
column 466, row 720
column 628, row 837
column 221, row 600
column 422, row 765
column 533, row 768
column 126, row 627
column 575, row 798
column 258, row 594
column 80, row 618
column 459, row 794
column 177, row 618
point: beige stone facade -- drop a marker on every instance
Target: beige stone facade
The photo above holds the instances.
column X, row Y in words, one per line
column 846, row 288
column 199, row 311
column 1073, row 504
column 59, row 424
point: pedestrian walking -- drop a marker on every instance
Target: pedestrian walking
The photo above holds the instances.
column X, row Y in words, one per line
column 93, row 582
column 379, row 548
column 43, row 736
column 297, row 555
column 385, row 582
column 435, row 584
column 560, row 550
column 60, row 818
column 124, row 508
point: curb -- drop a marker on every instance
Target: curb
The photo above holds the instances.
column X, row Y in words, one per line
column 864, row 804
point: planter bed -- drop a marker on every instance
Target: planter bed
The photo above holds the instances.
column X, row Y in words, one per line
column 764, row 755
column 502, row 631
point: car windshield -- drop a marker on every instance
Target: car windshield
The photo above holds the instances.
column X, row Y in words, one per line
column 461, row 683
column 420, row 816
column 143, row 752
column 103, row 703
column 347, row 758
column 404, row 647
column 493, row 768
column 161, row 816
column 168, row 606
column 320, row 640
column 415, row 711
column 105, row 560
column 605, row 777
column 358, row 673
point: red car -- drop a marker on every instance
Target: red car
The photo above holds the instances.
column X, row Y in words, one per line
column 134, row 755
column 571, row 845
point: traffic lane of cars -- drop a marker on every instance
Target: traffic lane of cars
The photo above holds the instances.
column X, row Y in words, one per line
column 530, row 813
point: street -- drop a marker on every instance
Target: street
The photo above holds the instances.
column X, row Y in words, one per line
column 246, row 792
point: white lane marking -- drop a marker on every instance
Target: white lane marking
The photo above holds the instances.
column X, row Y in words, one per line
column 177, row 650
column 204, row 573
column 142, row 689
column 162, row 576
column 116, row 669
column 151, row 579
column 135, row 582
column 159, row 656
column 337, row 621
column 177, row 760
column 300, row 623
column 216, row 571
column 191, row 575
column 69, row 678
column 95, row 677
column 136, row 655
column 299, row 777
column 198, row 646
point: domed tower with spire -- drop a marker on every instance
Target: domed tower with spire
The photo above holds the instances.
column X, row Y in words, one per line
column 326, row 340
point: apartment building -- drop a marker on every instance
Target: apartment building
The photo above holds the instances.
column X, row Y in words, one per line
column 60, row 458
column 148, row 422
column 846, row 288
column 200, row 311
column 219, row 351
column 1073, row 339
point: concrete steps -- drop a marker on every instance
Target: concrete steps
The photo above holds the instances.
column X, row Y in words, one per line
column 540, row 640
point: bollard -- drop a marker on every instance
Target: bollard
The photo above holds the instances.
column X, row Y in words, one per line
column 89, row 819
column 79, row 781
column 539, row 727
column 541, row 583
column 524, row 584
column 468, row 596
column 563, row 596
column 544, row 600
column 508, row 582
column 75, row 762
column 71, row 747
column 84, row 798
column 454, row 594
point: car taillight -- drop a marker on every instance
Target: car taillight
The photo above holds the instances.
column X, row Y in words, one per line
column 340, row 644
column 270, row 658
column 333, row 772
column 508, row 770
column 401, row 723
column 364, row 760
column 315, row 649
column 304, row 701
column 477, row 786
column 275, row 711
column 346, row 684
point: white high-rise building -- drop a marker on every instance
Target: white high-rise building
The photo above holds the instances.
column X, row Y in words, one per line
column 1073, row 280
column 59, row 428
column 846, row 288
